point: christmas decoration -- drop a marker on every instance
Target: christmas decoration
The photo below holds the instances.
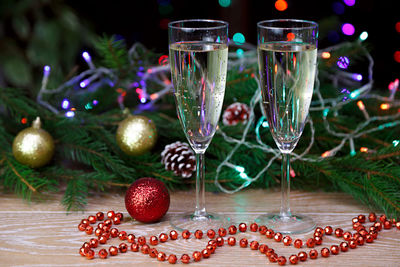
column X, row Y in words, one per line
column 136, row 135
column 363, row 235
column 179, row 158
column 147, row 200
column 236, row 113
column 33, row 146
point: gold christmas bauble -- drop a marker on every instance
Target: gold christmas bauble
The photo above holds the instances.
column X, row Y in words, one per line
column 33, row 146
column 136, row 135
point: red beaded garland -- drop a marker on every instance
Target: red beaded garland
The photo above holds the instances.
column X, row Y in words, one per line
column 198, row 234
column 141, row 240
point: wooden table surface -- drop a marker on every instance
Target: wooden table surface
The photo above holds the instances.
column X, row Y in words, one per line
column 42, row 234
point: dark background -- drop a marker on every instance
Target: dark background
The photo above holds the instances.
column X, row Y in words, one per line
column 34, row 33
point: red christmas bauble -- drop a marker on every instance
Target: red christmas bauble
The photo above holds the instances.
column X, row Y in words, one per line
column 147, row 200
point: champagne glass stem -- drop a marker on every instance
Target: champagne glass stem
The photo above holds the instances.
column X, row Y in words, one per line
column 200, row 186
column 285, row 183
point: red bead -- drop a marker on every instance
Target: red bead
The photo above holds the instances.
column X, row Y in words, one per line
column 328, row 230
column 387, row 224
column 102, row 239
column 100, row 216
column 369, row 238
column 319, row 230
column 374, row 234
column 173, row 235
column 378, row 225
column 270, row 233
column 302, row 256
column 313, row 254
column 141, row 240
column 89, row 230
column 120, row 216
column 363, row 233
column 116, row 220
column 108, row 223
column 382, row 218
column 278, row 237
column 98, row 232
column 123, row 247
column 339, row 232
column 92, row 219
column 211, row 233
column 361, row 218
column 262, row 229
column 298, row 243
column 212, row 242
column 231, row 241
column 242, row 227
column 135, row 247
column 281, row 260
column 232, row 230
column 82, row 227
column 253, row 227
column 287, row 240
column 103, row 253
column 269, row 252
column 206, row 253
column 197, row 256
column 355, row 225
column 318, row 234
column 94, row 243
column 318, row 240
column 222, row 232
column 354, row 220
column 211, row 248
column 90, row 254
column 110, row 214
column 122, row 235
column 220, row 241
column 198, row 234
column 153, row 253
column 172, row 259
column 393, row 220
column 85, row 222
column 398, row 225
column 335, row 249
column 372, row 217
column 325, row 252
column 360, row 241
column 130, row 238
column 113, row 250
column 310, row 243
column 274, row 258
column 347, row 236
column 344, row 246
column 186, row 234
column 145, row 249
column 254, row 245
column 263, row 248
column 161, row 256
column 83, row 251
column 294, row 259
column 86, row 245
column 153, row 240
column 100, row 225
column 352, row 244
column 243, row 242
column 163, row 237
column 114, row 232
column 185, row 258
column 106, row 234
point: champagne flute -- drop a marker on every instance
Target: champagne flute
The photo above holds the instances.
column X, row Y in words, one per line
column 198, row 52
column 287, row 55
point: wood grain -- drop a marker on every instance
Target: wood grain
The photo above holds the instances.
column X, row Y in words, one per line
column 42, row 234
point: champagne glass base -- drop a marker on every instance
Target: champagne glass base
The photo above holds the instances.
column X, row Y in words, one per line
column 294, row 224
column 204, row 222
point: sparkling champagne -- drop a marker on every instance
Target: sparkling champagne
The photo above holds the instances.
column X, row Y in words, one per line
column 199, row 76
column 287, row 71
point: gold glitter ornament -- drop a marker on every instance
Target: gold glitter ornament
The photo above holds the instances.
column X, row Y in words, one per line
column 136, row 135
column 33, row 146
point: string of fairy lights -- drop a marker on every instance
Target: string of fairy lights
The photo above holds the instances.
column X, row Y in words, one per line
column 240, row 59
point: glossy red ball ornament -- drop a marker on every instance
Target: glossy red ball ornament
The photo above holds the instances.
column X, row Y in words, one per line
column 123, row 247
column 100, row 216
column 90, row 254
column 232, row 230
column 186, row 234
column 302, row 256
column 211, row 233
column 243, row 242
column 262, row 229
column 325, row 252
column 281, row 260
column 220, row 241
column 372, row 217
column 253, row 227
column 185, row 258
column 278, row 237
column 339, row 232
column 135, row 247
column 254, row 245
column 242, row 227
column 198, row 234
column 263, row 248
column 163, row 237
column 173, row 235
column 153, row 253
column 147, row 200
column 113, row 250
column 103, row 253
column 287, row 240
column 197, row 256
column 161, row 256
column 222, row 232
column 294, row 259
column 206, row 253
column 313, row 254
column 344, row 246
column 335, row 249
column 298, row 243
column 231, row 241
column 172, row 259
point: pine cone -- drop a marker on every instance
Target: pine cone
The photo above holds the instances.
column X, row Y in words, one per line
column 236, row 113
column 179, row 158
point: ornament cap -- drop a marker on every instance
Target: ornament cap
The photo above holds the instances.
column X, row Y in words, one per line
column 37, row 123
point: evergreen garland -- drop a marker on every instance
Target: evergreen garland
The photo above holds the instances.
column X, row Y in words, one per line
column 88, row 159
